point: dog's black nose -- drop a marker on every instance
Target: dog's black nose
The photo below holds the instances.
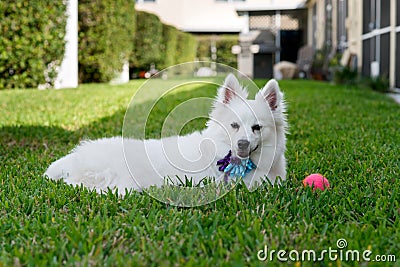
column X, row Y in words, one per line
column 243, row 144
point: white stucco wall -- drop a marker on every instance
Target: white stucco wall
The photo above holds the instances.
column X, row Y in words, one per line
column 210, row 15
column 195, row 15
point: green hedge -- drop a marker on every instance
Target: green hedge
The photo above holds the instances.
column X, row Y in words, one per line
column 160, row 44
column 148, row 39
column 31, row 42
column 168, row 46
column 106, row 38
column 186, row 48
column 224, row 50
column 223, row 44
column 203, row 49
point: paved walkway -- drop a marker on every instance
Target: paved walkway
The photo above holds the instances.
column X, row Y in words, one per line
column 396, row 97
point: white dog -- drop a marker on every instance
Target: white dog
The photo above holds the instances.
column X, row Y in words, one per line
column 250, row 130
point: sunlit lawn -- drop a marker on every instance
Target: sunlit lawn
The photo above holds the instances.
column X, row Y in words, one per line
column 350, row 135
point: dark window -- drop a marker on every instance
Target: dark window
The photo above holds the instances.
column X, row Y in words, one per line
column 398, row 61
column 291, row 41
column 314, row 26
column 341, row 24
column 398, row 13
column 385, row 13
column 385, row 55
column 328, row 23
column 368, row 15
column 368, row 55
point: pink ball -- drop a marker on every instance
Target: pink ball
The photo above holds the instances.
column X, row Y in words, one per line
column 317, row 180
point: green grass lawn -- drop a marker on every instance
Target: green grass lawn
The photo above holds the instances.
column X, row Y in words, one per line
column 350, row 135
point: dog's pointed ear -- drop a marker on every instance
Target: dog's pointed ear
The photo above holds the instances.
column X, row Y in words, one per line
column 231, row 89
column 271, row 94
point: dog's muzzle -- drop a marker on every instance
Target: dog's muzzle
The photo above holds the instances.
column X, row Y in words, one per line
column 244, row 150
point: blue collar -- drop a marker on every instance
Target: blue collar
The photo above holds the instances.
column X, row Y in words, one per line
column 235, row 167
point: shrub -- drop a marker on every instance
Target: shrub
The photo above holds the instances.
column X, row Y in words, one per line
column 318, row 71
column 380, row 83
column 148, row 39
column 160, row 44
column 204, row 48
column 223, row 44
column 344, row 75
column 224, row 50
column 32, row 41
column 187, row 48
column 106, row 34
column 168, row 46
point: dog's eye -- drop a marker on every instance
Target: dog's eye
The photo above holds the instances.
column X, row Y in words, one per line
column 256, row 127
column 235, row 125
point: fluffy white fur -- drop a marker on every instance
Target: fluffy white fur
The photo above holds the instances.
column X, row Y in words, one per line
column 135, row 164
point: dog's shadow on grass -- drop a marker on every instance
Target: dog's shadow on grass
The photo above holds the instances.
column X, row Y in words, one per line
column 34, row 138
column 51, row 142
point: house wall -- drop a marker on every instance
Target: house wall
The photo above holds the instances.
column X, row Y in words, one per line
column 171, row 10
column 210, row 15
column 316, row 23
column 354, row 25
column 196, row 16
column 373, row 33
column 379, row 36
